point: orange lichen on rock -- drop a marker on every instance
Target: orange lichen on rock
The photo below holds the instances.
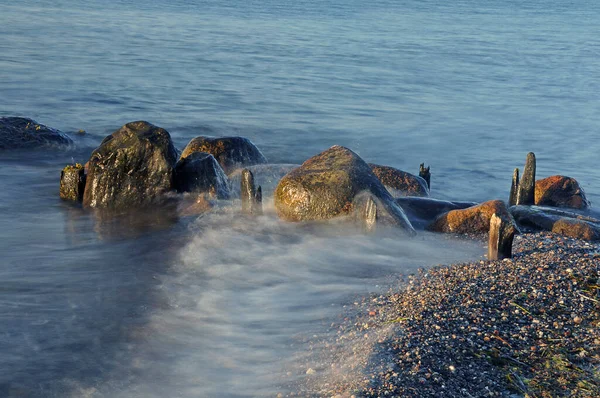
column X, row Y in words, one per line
column 475, row 219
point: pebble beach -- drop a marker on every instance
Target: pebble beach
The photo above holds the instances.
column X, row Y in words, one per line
column 528, row 326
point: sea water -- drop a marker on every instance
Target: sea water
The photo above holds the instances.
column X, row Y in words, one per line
column 222, row 305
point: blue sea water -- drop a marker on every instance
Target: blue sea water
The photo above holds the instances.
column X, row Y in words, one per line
column 221, row 306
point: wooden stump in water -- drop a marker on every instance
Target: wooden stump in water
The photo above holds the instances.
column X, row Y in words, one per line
column 370, row 216
column 72, row 182
column 251, row 196
column 526, row 192
column 425, row 174
column 501, row 237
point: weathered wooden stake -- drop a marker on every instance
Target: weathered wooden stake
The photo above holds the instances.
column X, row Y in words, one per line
column 501, row 238
column 251, row 196
column 72, row 182
column 257, row 208
column 425, row 174
column 514, row 188
column 526, row 191
column 370, row 216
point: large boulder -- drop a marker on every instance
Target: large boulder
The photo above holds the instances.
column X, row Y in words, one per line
column 326, row 185
column 560, row 191
column 201, row 173
column 132, row 167
column 23, row 133
column 422, row 211
column 400, row 183
column 472, row 220
column 231, row 152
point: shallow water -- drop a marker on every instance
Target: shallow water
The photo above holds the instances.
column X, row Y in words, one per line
column 221, row 305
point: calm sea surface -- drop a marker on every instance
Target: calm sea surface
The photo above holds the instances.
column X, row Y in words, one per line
column 220, row 305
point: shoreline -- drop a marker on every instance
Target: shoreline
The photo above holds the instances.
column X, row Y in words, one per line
column 526, row 326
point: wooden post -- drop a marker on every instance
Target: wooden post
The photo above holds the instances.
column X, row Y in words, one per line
column 425, row 174
column 369, row 216
column 72, row 182
column 514, row 188
column 526, row 192
column 251, row 196
column 257, row 208
column 501, row 237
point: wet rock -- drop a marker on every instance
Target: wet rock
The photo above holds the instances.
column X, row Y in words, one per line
column 326, row 185
column 561, row 222
column 575, row 228
column 400, row 183
column 24, row 133
column 474, row 219
column 560, row 191
column 201, row 173
column 422, row 211
column 132, row 167
column 231, row 152
column 526, row 192
column 265, row 175
column 72, row 183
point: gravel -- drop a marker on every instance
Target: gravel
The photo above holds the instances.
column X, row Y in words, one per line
column 526, row 326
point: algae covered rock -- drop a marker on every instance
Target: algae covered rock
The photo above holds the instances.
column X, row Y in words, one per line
column 72, row 182
column 326, row 185
column 475, row 219
column 24, row 133
column 132, row 167
column 231, row 152
column 560, row 191
column 400, row 183
column 199, row 173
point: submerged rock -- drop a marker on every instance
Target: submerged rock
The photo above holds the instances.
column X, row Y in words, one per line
column 24, row 133
column 561, row 222
column 326, row 186
column 560, row 191
column 475, row 219
column 400, row 183
column 132, row 167
column 422, row 211
column 231, row 152
column 200, row 173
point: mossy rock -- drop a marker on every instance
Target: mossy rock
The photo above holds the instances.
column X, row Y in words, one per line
column 400, row 183
column 72, row 183
column 24, row 133
column 132, row 167
column 326, row 185
column 231, row 152
column 560, row 191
